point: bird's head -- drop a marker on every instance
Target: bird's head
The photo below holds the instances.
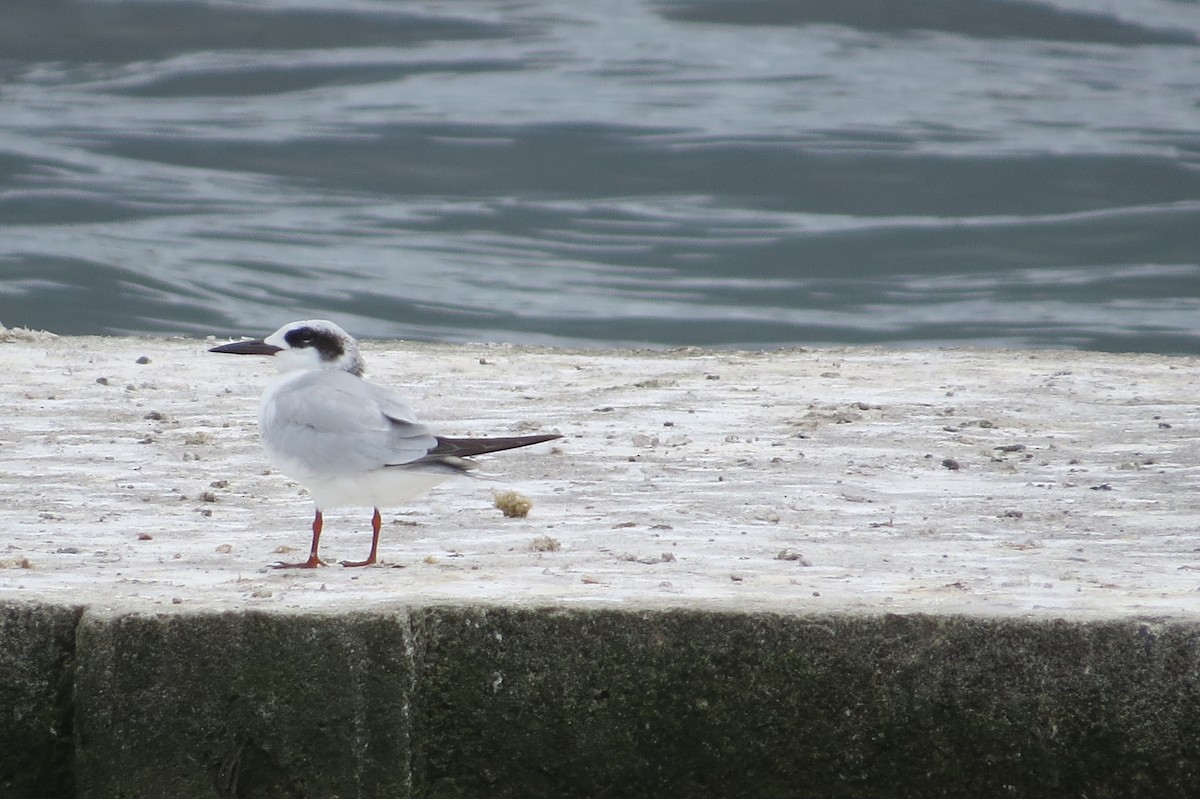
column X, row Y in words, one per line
column 310, row 344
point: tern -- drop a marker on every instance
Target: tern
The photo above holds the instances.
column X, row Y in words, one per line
column 348, row 441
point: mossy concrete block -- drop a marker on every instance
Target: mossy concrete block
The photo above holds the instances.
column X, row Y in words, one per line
column 243, row 705
column 456, row 702
column 37, row 648
column 530, row 703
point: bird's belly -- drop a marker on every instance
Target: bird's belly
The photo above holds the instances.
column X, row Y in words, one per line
column 378, row 488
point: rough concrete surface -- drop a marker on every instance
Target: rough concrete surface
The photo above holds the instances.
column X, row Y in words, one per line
column 964, row 481
column 523, row 702
column 695, row 704
column 231, row 705
column 37, row 647
column 850, row 572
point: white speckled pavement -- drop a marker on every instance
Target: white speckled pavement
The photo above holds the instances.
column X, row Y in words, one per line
column 1034, row 483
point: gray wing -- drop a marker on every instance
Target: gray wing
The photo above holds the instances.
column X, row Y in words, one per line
column 329, row 423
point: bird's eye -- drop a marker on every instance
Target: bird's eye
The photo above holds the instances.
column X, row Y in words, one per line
column 301, row 337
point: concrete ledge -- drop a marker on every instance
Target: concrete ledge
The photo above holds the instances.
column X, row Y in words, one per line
column 992, row 483
column 243, row 704
column 681, row 703
column 526, row 702
column 37, row 650
column 849, row 572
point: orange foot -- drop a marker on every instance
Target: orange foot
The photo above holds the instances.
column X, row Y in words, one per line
column 312, row 563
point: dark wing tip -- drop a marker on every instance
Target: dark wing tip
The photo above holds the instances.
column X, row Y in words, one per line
column 468, row 447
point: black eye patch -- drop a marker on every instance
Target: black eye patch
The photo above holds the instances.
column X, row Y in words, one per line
column 329, row 345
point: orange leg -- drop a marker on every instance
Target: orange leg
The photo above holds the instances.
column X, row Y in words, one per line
column 313, row 561
column 376, row 521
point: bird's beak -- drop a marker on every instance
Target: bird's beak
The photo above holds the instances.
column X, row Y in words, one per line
column 248, row 348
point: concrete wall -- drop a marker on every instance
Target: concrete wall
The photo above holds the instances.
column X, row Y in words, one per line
column 446, row 701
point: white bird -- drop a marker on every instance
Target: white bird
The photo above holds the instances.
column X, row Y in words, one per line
column 348, row 441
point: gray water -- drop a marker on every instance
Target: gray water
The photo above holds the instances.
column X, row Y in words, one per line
column 715, row 172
